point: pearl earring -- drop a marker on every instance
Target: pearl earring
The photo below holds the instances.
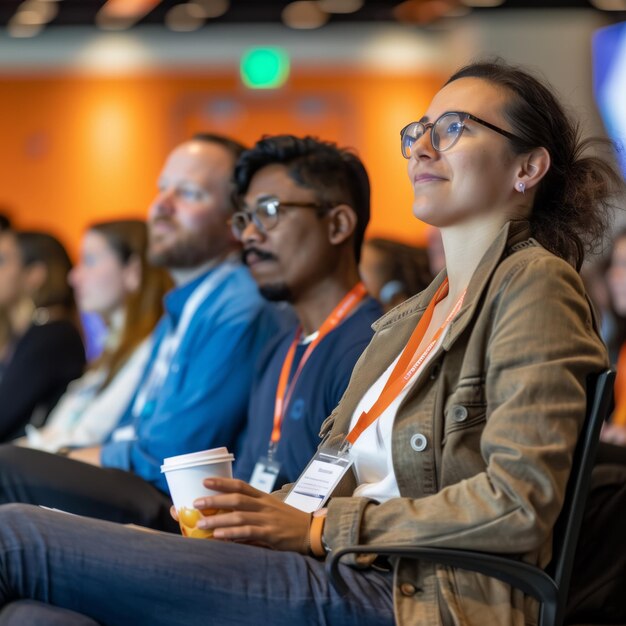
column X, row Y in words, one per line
column 521, row 187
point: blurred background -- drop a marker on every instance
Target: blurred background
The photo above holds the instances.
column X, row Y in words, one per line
column 94, row 94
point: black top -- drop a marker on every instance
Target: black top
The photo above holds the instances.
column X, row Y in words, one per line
column 45, row 359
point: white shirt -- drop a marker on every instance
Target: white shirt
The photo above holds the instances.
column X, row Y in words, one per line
column 372, row 453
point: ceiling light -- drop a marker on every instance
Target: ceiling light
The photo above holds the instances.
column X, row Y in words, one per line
column 304, row 14
column 35, row 12
column 212, row 8
column 425, row 11
column 122, row 14
column 481, row 4
column 340, row 6
column 609, row 5
column 184, row 18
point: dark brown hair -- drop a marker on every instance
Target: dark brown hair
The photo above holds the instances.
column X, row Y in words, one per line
column 572, row 207
column 39, row 247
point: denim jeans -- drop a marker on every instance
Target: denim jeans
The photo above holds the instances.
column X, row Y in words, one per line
column 119, row 575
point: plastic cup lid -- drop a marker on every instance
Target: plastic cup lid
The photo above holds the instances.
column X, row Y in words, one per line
column 202, row 455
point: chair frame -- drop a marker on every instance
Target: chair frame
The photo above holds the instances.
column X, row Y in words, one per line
column 550, row 586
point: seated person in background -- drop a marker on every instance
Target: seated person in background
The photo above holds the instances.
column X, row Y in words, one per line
column 115, row 281
column 615, row 431
column 194, row 391
column 305, row 209
column 394, row 271
column 5, row 330
column 45, row 351
column 460, row 419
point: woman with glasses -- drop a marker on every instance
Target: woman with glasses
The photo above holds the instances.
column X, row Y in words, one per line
column 457, row 428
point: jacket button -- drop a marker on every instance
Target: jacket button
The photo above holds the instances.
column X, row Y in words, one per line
column 418, row 442
column 407, row 589
column 459, row 413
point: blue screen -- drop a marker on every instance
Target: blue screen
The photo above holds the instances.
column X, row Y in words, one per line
column 609, row 83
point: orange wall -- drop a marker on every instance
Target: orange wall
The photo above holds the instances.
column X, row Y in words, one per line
column 79, row 149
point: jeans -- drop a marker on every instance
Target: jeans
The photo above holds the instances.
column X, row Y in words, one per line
column 119, row 575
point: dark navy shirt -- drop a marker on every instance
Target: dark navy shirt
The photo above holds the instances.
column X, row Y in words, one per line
column 318, row 390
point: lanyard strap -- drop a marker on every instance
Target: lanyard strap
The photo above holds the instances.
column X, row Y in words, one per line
column 285, row 390
column 408, row 364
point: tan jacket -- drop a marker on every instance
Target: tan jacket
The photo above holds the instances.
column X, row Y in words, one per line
column 483, row 442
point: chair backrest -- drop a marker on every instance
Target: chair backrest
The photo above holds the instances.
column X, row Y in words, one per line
column 567, row 528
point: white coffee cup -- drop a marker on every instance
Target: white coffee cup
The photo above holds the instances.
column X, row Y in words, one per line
column 185, row 474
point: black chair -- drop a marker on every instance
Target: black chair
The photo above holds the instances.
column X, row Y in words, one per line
column 549, row 586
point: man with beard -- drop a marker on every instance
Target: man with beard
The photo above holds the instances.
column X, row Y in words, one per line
column 194, row 392
column 306, row 204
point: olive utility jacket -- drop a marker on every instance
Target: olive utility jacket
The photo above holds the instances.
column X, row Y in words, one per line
column 483, row 442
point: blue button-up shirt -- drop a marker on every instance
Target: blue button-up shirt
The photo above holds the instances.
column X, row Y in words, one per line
column 202, row 401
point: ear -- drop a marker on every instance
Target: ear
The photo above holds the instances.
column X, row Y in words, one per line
column 131, row 274
column 533, row 167
column 341, row 223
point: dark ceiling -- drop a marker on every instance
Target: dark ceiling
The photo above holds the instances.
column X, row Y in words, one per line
column 82, row 12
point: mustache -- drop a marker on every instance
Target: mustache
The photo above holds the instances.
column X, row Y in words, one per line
column 261, row 254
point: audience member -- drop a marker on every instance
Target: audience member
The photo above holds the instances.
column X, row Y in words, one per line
column 5, row 329
column 194, row 391
column 460, row 418
column 306, row 207
column 615, row 432
column 45, row 351
column 115, row 281
column 394, row 271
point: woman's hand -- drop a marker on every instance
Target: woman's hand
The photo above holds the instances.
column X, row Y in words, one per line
column 253, row 516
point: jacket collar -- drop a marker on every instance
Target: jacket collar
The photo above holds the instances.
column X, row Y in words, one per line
column 511, row 236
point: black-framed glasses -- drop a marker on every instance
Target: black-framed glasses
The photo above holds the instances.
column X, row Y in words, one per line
column 266, row 213
column 445, row 131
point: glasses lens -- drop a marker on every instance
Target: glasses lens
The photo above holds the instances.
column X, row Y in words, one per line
column 446, row 131
column 408, row 136
column 267, row 212
column 238, row 223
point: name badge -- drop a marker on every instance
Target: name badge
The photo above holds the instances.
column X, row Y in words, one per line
column 318, row 479
column 265, row 474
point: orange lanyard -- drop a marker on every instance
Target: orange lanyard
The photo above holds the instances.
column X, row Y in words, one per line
column 619, row 415
column 284, row 391
column 408, row 364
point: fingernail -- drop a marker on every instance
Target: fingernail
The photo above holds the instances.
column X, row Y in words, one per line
column 200, row 504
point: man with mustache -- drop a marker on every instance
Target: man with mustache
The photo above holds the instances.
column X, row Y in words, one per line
column 194, row 391
column 305, row 207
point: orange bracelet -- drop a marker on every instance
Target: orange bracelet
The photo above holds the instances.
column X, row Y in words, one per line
column 315, row 535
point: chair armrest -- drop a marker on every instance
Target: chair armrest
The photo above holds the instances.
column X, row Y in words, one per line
column 530, row 579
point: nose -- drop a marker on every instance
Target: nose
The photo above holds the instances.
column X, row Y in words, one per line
column 252, row 233
column 423, row 147
column 163, row 204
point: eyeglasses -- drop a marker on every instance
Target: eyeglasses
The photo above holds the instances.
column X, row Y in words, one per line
column 445, row 131
column 266, row 213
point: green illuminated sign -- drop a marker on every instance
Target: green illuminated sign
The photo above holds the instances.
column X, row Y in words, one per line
column 264, row 68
